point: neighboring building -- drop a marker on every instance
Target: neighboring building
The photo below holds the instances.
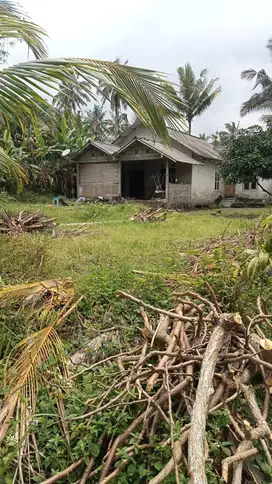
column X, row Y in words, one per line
column 249, row 190
column 137, row 165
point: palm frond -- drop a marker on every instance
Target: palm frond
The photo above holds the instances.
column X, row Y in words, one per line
column 10, row 169
column 141, row 89
column 248, row 74
column 257, row 102
column 205, row 100
column 27, row 369
column 15, row 26
column 44, row 294
column 269, row 46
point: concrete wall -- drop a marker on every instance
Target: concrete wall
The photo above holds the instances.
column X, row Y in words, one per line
column 99, row 179
column 257, row 193
column 92, row 154
column 203, row 178
column 179, row 193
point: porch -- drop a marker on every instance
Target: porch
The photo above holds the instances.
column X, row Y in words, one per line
column 156, row 179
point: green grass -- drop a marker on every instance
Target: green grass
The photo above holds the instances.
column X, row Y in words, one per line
column 102, row 261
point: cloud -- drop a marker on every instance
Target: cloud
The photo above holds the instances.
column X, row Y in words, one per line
column 225, row 37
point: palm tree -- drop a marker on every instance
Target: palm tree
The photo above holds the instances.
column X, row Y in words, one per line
column 71, row 99
column 117, row 103
column 23, row 86
column 97, row 122
column 204, row 136
column 195, row 94
column 261, row 100
column 221, row 138
column 117, row 126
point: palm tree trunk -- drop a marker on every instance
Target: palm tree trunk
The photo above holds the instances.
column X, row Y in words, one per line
column 189, row 126
column 116, row 120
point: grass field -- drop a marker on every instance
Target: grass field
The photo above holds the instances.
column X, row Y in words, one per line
column 102, row 261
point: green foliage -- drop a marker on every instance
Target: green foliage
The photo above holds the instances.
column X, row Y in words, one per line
column 102, row 263
column 261, row 100
column 195, row 94
column 260, row 258
column 247, row 156
column 221, row 138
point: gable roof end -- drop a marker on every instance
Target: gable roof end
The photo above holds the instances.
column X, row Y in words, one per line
column 107, row 148
column 170, row 153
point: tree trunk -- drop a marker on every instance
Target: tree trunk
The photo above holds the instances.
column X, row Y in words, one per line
column 189, row 126
column 116, row 120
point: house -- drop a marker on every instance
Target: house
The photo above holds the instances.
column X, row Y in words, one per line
column 138, row 165
column 249, row 190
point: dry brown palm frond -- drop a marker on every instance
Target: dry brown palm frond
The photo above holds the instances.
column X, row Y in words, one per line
column 46, row 294
column 27, row 369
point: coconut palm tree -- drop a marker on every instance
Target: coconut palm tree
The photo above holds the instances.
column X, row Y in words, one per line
column 204, row 136
column 261, row 100
column 71, row 99
column 221, row 138
column 117, row 126
column 23, row 86
column 117, row 103
column 195, row 94
column 97, row 122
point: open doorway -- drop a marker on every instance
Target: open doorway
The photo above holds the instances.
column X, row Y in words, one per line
column 136, row 183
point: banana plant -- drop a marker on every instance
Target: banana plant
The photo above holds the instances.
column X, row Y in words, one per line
column 260, row 259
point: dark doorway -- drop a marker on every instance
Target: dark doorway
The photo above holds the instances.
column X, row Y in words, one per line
column 136, row 183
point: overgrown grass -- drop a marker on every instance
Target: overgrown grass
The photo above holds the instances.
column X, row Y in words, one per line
column 102, row 261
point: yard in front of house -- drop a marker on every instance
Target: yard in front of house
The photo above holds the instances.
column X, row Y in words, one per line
column 101, row 260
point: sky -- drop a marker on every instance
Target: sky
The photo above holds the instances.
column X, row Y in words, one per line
column 225, row 37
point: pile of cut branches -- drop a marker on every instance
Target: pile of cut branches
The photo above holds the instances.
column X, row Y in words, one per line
column 150, row 215
column 193, row 362
column 24, row 222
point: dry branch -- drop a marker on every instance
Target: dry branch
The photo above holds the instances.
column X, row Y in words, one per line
column 24, row 222
column 197, row 437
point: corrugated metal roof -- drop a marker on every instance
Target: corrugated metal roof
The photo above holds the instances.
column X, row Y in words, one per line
column 110, row 149
column 107, row 148
column 167, row 151
column 197, row 145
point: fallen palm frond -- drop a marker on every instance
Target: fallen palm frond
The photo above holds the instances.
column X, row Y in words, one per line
column 32, row 364
column 24, row 222
column 150, row 215
column 44, row 294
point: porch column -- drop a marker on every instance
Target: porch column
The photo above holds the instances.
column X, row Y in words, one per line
column 120, row 178
column 167, row 180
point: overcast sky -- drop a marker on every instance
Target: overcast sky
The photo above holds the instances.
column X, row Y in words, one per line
column 223, row 36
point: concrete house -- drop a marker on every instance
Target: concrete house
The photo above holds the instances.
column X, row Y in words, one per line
column 137, row 165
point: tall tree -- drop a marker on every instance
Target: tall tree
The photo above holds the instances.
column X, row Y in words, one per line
column 204, row 136
column 117, row 126
column 246, row 158
column 72, row 98
column 261, row 100
column 117, row 102
column 221, row 138
column 96, row 122
column 22, row 87
column 195, row 94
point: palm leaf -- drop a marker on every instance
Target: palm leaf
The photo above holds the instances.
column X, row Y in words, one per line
column 15, row 25
column 205, row 100
column 10, row 169
column 24, row 373
column 143, row 90
column 45, row 294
